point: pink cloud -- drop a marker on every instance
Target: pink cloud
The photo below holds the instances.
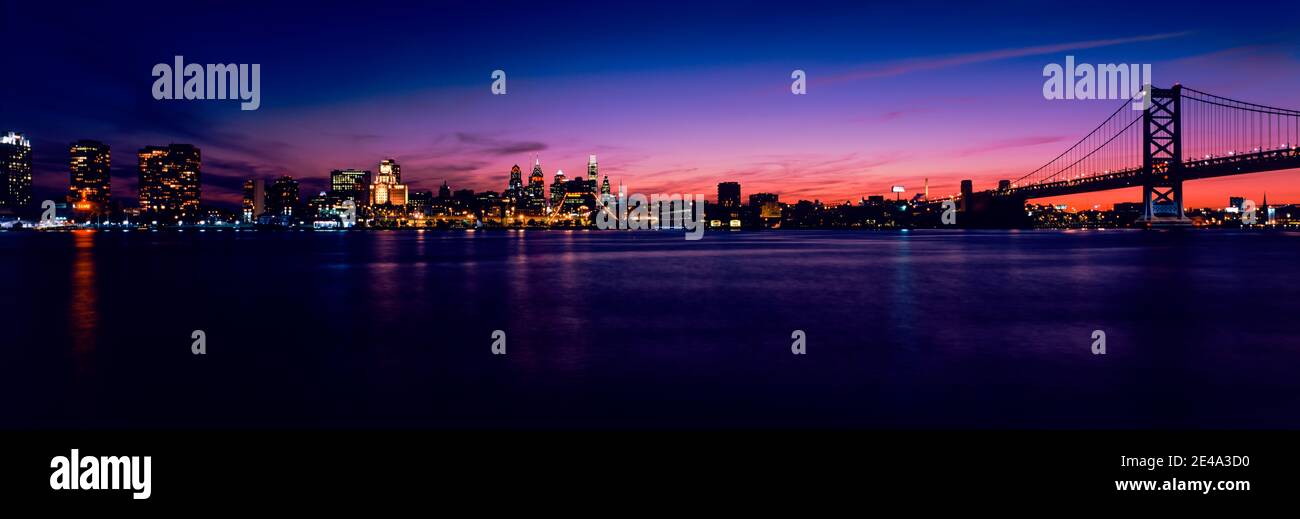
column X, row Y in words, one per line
column 933, row 63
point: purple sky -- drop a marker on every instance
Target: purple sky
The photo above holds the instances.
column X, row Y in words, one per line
column 669, row 100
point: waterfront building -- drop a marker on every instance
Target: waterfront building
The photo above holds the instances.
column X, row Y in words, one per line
column 351, row 184
column 170, row 181
column 387, row 187
column 254, row 199
column 89, row 182
column 15, row 172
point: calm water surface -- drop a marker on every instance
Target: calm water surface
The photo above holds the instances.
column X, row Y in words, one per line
column 605, row 329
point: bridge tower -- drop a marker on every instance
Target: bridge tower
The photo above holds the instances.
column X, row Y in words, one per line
column 1162, row 158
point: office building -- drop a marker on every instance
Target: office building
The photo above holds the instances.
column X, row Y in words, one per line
column 169, row 182
column 351, row 184
column 282, row 200
column 89, row 183
column 15, row 172
column 254, row 199
column 420, row 203
column 535, row 193
column 729, row 195
column 557, row 188
column 387, row 187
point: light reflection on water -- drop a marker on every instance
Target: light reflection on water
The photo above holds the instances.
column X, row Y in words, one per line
column 924, row 329
column 83, row 314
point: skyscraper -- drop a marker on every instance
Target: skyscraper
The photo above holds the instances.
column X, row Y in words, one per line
column 535, row 193
column 392, row 168
column 283, row 199
column 254, row 199
column 557, row 188
column 515, row 189
column 170, row 180
column 15, row 172
column 89, row 184
column 536, row 177
column 351, row 184
column 577, row 200
column 729, row 195
column 444, row 191
column 593, row 169
column 387, row 187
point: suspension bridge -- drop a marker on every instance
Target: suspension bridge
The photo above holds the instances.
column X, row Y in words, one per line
column 1175, row 135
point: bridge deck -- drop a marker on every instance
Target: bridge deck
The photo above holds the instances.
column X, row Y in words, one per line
column 1210, row 167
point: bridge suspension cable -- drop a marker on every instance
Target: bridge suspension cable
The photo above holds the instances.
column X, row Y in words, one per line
column 1216, row 126
column 1114, row 145
column 1212, row 128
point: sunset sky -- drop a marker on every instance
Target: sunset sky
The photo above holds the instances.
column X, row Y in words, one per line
column 671, row 98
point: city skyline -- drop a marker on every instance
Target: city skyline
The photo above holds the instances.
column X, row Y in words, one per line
column 895, row 108
column 172, row 171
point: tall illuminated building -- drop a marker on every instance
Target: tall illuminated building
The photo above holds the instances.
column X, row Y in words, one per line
column 577, row 202
column 387, row 187
column 351, row 184
column 515, row 189
column 557, row 188
column 170, row 180
column 15, row 172
column 392, row 168
column 535, row 193
column 536, row 177
column 593, row 173
column 254, row 199
column 88, row 183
